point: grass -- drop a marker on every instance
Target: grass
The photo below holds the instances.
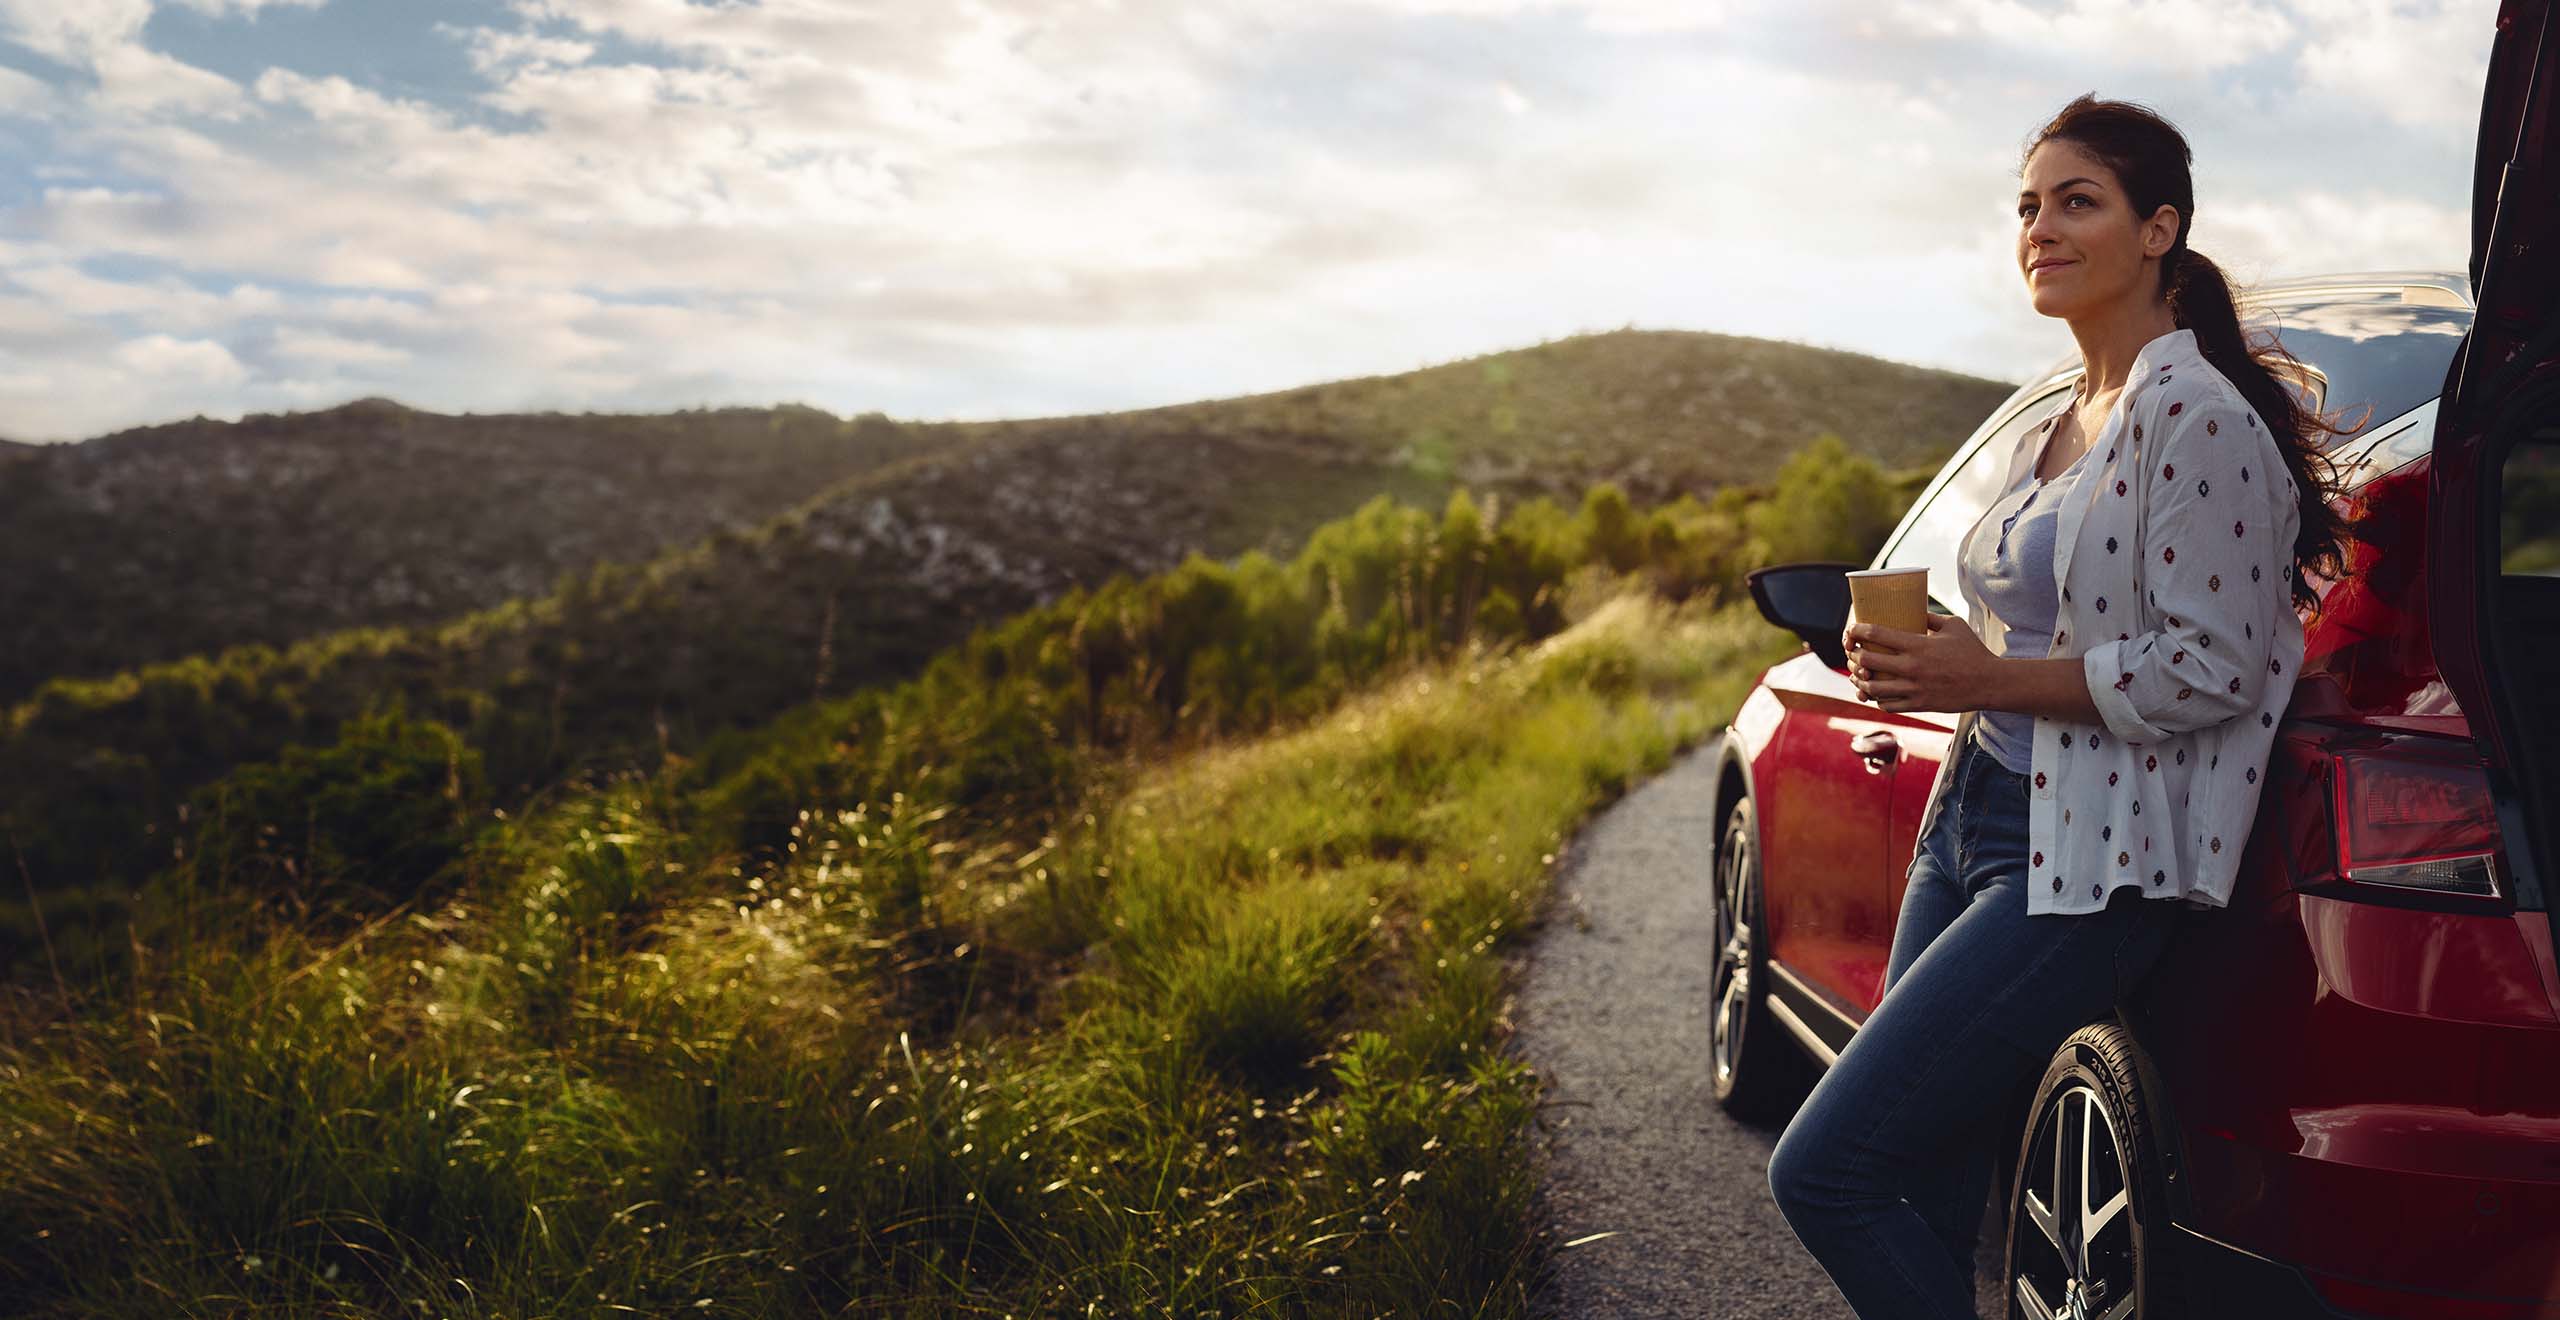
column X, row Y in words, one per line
column 1229, row 1039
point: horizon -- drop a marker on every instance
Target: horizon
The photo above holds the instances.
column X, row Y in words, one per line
column 232, row 207
column 779, row 404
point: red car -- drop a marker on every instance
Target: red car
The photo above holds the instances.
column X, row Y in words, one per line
column 2340, row 1095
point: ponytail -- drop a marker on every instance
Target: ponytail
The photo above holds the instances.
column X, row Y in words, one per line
column 2199, row 297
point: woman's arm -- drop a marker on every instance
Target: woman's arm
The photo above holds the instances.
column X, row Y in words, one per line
column 1949, row 669
column 2057, row 689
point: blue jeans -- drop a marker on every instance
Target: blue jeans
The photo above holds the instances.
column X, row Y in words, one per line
column 1884, row 1170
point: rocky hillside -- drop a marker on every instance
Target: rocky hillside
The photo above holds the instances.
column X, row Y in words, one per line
column 172, row 540
column 175, row 540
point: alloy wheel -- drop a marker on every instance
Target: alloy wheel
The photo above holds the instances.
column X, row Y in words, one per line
column 1731, row 984
column 2076, row 1253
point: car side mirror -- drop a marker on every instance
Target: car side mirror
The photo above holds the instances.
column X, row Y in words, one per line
column 1810, row 600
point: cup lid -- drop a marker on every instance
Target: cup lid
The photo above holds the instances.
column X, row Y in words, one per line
column 1887, row 572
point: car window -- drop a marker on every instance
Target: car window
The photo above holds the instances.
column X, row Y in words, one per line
column 2529, row 507
column 1929, row 536
column 2522, row 608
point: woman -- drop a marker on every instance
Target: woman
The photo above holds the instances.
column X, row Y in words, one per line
column 2095, row 788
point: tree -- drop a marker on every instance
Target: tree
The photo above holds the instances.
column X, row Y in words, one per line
column 1829, row 504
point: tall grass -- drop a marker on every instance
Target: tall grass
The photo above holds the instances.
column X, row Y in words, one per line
column 1226, row 1038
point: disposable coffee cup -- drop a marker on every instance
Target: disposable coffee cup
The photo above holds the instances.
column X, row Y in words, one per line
column 1890, row 598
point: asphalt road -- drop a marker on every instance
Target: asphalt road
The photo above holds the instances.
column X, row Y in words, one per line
column 1612, row 1012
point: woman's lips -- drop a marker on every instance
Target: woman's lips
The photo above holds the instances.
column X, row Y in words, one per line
column 2050, row 265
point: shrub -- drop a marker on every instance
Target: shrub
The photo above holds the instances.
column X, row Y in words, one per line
column 367, row 821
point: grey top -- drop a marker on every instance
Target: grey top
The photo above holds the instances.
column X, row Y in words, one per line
column 2009, row 563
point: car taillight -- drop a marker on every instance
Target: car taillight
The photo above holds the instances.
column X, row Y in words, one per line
column 2417, row 818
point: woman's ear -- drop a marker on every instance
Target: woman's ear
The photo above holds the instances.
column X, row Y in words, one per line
column 2163, row 227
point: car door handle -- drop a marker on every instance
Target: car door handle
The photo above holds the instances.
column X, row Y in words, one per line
column 1878, row 748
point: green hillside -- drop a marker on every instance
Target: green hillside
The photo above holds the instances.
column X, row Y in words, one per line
column 1657, row 413
column 1141, row 955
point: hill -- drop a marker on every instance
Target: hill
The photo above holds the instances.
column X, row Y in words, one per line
column 1659, row 413
column 167, row 541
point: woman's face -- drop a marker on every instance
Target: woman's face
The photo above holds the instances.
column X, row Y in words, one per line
column 2080, row 247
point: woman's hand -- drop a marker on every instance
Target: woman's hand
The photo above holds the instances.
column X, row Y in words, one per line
column 1946, row 669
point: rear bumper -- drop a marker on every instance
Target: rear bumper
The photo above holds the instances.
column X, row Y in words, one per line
column 2227, row 1280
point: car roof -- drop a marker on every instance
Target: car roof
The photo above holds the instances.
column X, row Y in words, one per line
column 2416, row 285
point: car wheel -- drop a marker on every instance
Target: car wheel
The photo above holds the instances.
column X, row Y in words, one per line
column 1760, row 1073
column 2087, row 1214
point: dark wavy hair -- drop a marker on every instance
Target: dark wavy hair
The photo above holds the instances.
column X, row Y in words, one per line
column 2150, row 159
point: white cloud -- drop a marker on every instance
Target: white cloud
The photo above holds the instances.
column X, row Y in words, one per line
column 132, row 80
column 39, row 322
column 164, row 357
column 24, row 96
column 219, row 8
column 2172, row 37
column 493, row 50
column 2309, row 232
column 73, row 32
column 1613, row 16
column 326, row 349
column 2418, row 64
column 165, row 302
column 375, row 310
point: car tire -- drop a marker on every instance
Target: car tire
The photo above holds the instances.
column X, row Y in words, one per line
column 1758, row 1072
column 2090, row 1112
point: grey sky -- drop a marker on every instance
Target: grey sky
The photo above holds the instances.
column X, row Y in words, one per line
column 1029, row 207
